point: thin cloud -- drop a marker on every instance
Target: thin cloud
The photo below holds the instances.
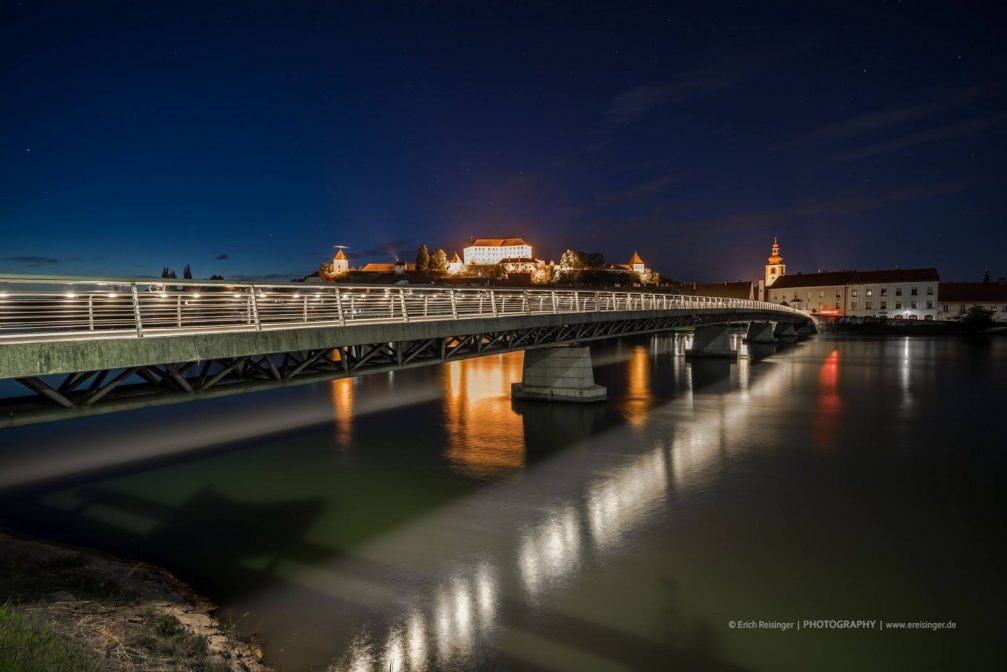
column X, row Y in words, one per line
column 776, row 219
column 950, row 132
column 881, row 119
column 638, row 101
column 222, row 257
column 32, row 261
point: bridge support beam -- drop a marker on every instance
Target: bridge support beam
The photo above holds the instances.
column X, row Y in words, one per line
column 806, row 330
column 558, row 374
column 785, row 331
column 760, row 332
column 712, row 340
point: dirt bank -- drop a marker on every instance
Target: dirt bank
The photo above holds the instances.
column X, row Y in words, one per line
column 61, row 603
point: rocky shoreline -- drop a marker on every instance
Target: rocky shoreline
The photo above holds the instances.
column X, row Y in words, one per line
column 115, row 616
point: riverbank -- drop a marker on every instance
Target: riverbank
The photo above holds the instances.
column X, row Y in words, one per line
column 910, row 328
column 64, row 609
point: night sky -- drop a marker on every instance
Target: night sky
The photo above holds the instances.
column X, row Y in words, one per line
column 249, row 138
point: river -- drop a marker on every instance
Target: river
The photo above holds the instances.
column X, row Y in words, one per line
column 423, row 520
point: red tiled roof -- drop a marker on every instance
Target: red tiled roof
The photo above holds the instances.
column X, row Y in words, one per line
column 726, row 290
column 794, row 280
column 972, row 292
column 497, row 242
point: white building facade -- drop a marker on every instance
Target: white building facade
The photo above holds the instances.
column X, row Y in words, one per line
column 909, row 294
column 490, row 251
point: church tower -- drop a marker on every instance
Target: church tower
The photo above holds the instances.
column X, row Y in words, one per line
column 775, row 268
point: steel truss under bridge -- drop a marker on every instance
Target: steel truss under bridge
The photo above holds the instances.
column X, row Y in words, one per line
column 109, row 390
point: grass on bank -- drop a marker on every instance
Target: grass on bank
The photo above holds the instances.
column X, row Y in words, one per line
column 27, row 646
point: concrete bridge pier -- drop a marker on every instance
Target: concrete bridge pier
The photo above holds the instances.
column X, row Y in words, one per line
column 711, row 340
column 561, row 373
column 806, row 330
column 785, row 331
column 760, row 332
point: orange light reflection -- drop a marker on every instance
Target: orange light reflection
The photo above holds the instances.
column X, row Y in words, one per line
column 485, row 437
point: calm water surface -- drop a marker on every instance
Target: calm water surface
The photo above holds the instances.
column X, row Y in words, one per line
column 424, row 521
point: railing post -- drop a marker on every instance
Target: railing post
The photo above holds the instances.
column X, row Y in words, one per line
column 454, row 303
column 555, row 308
column 339, row 308
column 178, row 311
column 136, row 311
column 90, row 312
column 402, row 301
column 524, row 300
column 255, row 310
column 305, row 307
column 493, row 301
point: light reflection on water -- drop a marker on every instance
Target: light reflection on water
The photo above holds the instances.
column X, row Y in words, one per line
column 430, row 523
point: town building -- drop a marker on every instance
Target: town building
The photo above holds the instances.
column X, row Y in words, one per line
column 823, row 293
column 894, row 293
column 399, row 268
column 491, row 251
column 742, row 289
column 455, row 266
column 955, row 298
column 521, row 265
column 899, row 293
column 635, row 265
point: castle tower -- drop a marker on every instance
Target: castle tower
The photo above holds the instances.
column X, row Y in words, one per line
column 775, row 268
column 340, row 264
column 637, row 263
column 455, row 265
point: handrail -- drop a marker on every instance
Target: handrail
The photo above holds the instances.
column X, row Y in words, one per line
column 37, row 308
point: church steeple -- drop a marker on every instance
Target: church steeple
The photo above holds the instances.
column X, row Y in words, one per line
column 775, row 268
column 775, row 257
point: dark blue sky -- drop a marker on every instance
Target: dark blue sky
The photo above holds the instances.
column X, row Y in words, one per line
column 248, row 138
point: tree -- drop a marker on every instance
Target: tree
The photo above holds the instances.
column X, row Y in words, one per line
column 187, row 272
column 592, row 259
column 439, row 262
column 978, row 318
column 571, row 259
column 422, row 259
column 168, row 273
column 216, row 277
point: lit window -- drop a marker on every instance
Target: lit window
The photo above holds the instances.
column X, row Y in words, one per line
column 870, row 292
column 854, row 292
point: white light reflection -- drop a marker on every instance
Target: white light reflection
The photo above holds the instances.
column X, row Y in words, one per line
column 550, row 549
column 618, row 502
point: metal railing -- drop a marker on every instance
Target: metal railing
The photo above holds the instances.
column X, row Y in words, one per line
column 69, row 309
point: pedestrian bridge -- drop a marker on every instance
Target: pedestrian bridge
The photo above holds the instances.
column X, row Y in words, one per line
column 82, row 346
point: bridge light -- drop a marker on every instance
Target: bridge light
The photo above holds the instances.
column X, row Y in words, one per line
column 112, row 295
column 70, row 295
column 196, row 295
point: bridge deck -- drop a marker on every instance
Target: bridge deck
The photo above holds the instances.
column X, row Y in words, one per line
column 127, row 341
